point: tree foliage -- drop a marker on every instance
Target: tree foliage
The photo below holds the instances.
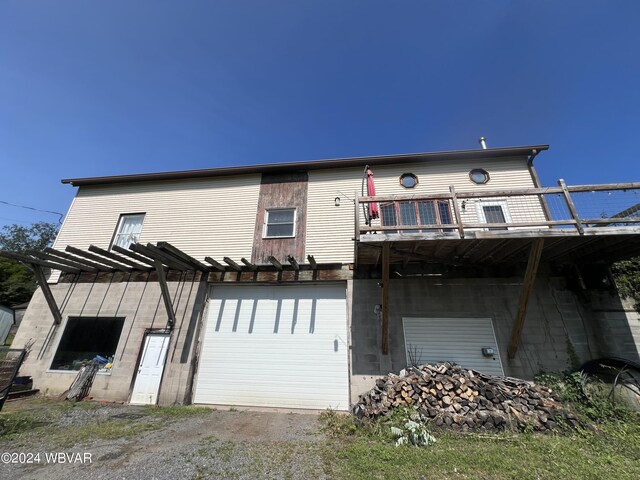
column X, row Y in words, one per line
column 17, row 238
column 627, row 276
column 17, row 282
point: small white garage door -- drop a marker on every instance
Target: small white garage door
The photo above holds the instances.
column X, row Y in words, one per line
column 458, row 340
column 275, row 346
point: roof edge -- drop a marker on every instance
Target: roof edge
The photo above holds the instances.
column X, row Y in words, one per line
column 309, row 165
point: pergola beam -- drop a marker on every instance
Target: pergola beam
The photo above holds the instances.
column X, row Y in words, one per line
column 36, row 261
column 136, row 256
column 180, row 255
column 47, row 255
column 168, row 259
column 232, row 264
column 248, row 264
column 293, row 262
column 217, row 265
column 275, row 262
column 119, row 258
column 157, row 255
column 96, row 258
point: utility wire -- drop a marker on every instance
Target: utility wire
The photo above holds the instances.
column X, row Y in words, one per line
column 35, row 209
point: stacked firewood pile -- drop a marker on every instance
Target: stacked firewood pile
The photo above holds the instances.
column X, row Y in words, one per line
column 466, row 399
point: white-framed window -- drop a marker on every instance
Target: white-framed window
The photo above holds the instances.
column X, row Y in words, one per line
column 493, row 211
column 128, row 230
column 279, row 223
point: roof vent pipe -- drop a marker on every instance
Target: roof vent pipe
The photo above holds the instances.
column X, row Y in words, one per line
column 483, row 142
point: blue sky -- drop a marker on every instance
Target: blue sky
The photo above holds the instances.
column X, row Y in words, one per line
column 93, row 88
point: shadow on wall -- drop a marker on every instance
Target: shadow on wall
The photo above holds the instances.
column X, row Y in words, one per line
column 563, row 327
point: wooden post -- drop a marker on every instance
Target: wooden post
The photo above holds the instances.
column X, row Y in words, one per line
column 527, row 287
column 357, row 218
column 571, row 206
column 48, row 294
column 386, row 253
column 162, row 280
column 356, row 237
column 456, row 210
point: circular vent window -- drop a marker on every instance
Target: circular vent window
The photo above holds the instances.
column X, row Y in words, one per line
column 408, row 180
column 479, row 176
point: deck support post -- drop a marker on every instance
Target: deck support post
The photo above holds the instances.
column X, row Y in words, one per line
column 386, row 253
column 525, row 294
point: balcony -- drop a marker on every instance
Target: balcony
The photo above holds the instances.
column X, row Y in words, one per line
column 579, row 224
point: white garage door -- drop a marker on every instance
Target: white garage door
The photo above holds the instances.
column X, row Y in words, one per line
column 459, row 340
column 275, row 346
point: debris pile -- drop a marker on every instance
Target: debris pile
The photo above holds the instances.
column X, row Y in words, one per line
column 464, row 399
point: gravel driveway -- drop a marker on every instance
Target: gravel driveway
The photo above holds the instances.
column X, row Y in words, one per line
column 127, row 442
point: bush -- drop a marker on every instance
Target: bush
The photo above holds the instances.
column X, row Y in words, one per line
column 588, row 395
column 337, row 424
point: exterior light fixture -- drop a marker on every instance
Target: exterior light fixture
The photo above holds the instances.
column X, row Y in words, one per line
column 337, row 201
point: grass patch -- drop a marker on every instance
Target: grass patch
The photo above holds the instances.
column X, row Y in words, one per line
column 611, row 453
column 107, row 430
column 607, row 447
column 39, row 418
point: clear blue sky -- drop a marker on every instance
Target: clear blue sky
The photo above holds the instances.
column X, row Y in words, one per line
column 93, row 88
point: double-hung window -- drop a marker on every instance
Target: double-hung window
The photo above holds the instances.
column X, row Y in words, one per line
column 493, row 212
column 129, row 229
column 279, row 223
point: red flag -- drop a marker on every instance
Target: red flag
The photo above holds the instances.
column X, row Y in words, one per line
column 374, row 212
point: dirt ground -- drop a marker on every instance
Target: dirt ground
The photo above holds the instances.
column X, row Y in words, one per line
column 54, row 440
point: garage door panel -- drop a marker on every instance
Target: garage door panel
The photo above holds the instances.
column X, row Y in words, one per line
column 458, row 340
column 280, row 346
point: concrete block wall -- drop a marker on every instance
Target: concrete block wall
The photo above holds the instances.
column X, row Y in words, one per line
column 618, row 325
column 141, row 305
column 561, row 327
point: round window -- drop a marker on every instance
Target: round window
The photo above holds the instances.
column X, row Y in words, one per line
column 479, row 176
column 408, row 180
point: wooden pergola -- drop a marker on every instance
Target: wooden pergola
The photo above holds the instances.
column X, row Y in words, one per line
column 160, row 259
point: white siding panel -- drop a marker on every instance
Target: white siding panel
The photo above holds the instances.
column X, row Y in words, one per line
column 275, row 347
column 331, row 229
column 204, row 217
column 458, row 340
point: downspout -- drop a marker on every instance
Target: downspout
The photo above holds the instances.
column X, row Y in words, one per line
column 367, row 219
column 536, row 183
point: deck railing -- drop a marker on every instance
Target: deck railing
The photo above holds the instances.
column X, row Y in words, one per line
column 567, row 207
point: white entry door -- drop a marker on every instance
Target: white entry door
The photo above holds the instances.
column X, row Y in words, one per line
column 145, row 389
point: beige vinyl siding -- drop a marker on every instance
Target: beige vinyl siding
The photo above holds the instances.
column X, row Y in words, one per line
column 330, row 229
column 204, row 217
column 436, row 176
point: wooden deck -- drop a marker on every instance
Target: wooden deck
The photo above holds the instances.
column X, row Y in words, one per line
column 562, row 216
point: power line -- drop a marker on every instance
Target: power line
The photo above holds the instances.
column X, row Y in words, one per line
column 35, row 209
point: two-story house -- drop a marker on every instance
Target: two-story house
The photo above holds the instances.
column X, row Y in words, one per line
column 294, row 285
